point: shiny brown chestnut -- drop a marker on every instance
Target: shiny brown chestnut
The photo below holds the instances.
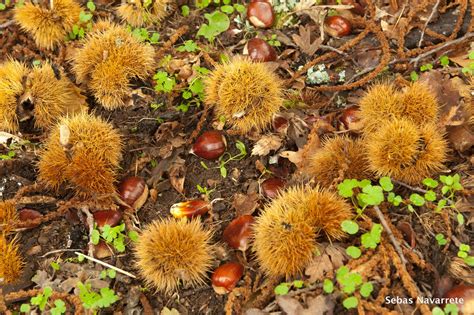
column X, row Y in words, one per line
column 107, row 217
column 133, row 191
column 271, row 186
column 350, row 118
column 210, row 145
column 464, row 292
column 337, row 26
column 239, row 231
column 260, row 14
column 190, row 208
column 259, row 50
column 225, row 277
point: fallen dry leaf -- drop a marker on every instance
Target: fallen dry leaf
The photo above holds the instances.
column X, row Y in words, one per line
column 319, row 305
column 324, row 265
column 266, row 144
column 461, row 137
column 303, row 40
column 245, row 204
column 177, row 174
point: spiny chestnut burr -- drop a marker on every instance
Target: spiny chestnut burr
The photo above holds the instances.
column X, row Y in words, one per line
column 210, row 145
column 260, row 14
column 190, row 208
column 259, row 50
column 107, row 217
column 237, row 234
column 466, row 293
column 337, row 26
column 271, row 186
column 225, row 277
column 133, row 191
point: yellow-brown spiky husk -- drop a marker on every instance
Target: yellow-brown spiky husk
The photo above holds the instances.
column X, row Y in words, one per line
column 109, row 84
column 383, row 102
column 48, row 26
column 407, row 153
column 248, row 94
column 284, row 243
column 112, row 54
column 8, row 216
column 136, row 14
column 419, row 104
column 340, row 158
column 12, row 74
column 170, row 253
column 380, row 103
column 90, row 163
column 285, row 234
column 52, row 96
column 11, row 262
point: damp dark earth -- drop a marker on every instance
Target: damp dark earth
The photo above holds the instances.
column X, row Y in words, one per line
column 236, row 157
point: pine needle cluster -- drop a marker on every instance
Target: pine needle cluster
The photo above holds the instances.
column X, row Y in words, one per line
column 37, row 93
column 83, row 151
column 340, row 158
column 49, row 25
column 285, row 233
column 246, row 93
column 170, row 253
column 137, row 13
column 108, row 60
column 404, row 151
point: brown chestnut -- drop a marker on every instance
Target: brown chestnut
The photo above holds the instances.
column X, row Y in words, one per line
column 133, row 191
column 271, row 186
column 259, row 50
column 225, row 277
column 190, row 209
column 350, row 118
column 261, row 14
column 107, row 217
column 464, row 292
column 210, row 145
column 237, row 234
column 337, row 26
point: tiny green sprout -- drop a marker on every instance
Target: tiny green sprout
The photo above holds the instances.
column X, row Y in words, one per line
column 91, row 6
column 188, row 46
column 164, row 82
column 55, row 265
column 386, row 183
column 282, row 289
column 350, row 302
column 94, row 300
column 218, row 23
column 396, row 200
column 222, row 161
column 41, row 300
column 273, row 41
column 426, row 67
column 417, row 199
column 460, row 218
column 328, row 286
column 440, row 239
column 353, row 251
column 133, row 236
column 414, row 76
column 346, row 187
column 350, row 227
column 431, row 183
column 444, row 60
column 185, row 10
column 2, row 6
column 59, row 307
column 372, row 238
column 371, row 195
column 298, row 284
column 464, row 251
column 25, row 308
column 430, row 195
column 366, row 289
